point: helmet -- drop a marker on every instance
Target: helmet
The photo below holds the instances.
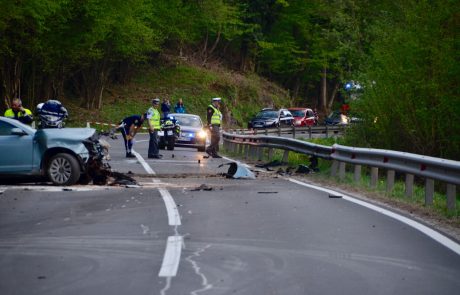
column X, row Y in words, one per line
column 216, row 99
column 156, row 101
column 52, row 114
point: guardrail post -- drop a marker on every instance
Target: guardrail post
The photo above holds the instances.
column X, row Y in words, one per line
column 260, row 153
column 409, row 185
column 279, row 130
column 293, row 132
column 286, row 156
column 246, row 151
column 241, row 149
column 327, row 132
column 374, row 176
column 390, row 180
column 342, row 167
column 253, row 152
column 334, row 167
column 266, row 131
column 270, row 153
column 357, row 174
column 451, row 197
column 309, row 132
column 88, row 125
column 429, row 191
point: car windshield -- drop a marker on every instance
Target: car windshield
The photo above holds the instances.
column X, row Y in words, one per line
column 191, row 121
column 267, row 115
column 298, row 113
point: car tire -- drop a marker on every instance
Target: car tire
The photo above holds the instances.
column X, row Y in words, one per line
column 63, row 169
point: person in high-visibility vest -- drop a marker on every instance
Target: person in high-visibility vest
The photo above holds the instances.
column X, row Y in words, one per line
column 214, row 118
column 153, row 119
column 18, row 112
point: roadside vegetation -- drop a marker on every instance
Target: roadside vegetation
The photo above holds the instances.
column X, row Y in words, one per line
column 106, row 58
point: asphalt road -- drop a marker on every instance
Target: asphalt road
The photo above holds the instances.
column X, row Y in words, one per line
column 264, row 236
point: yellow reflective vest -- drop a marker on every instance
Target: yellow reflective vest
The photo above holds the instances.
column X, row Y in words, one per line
column 216, row 117
column 155, row 118
column 10, row 114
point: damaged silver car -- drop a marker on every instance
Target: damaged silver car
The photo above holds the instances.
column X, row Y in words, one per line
column 64, row 156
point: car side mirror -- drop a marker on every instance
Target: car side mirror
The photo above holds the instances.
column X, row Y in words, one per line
column 18, row 131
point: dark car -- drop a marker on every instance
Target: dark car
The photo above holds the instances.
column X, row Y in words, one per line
column 64, row 156
column 271, row 119
column 337, row 118
column 191, row 132
column 303, row 117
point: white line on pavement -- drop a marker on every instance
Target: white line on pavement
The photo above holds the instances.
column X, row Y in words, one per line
column 171, row 257
column 445, row 241
column 171, row 208
column 143, row 163
column 174, row 245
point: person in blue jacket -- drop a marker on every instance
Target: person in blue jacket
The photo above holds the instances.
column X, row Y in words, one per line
column 128, row 128
column 179, row 107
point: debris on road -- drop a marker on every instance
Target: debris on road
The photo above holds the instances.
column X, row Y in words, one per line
column 303, row 169
column 202, row 187
column 273, row 163
column 267, row 192
column 122, row 179
column 335, row 197
column 236, row 170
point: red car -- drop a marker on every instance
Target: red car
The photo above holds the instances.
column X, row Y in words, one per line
column 303, row 117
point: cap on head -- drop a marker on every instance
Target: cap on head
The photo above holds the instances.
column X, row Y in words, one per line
column 217, row 99
column 156, row 101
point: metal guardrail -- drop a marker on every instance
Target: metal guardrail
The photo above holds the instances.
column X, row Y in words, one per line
column 430, row 168
column 308, row 130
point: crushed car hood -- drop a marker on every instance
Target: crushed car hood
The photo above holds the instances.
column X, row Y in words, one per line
column 70, row 134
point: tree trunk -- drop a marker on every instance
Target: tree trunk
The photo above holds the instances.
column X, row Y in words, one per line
column 332, row 97
column 323, row 105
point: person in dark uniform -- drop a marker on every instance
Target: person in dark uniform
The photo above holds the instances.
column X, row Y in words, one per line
column 214, row 119
column 128, row 128
column 153, row 117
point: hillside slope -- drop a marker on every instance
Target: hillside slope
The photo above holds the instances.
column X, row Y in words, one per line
column 243, row 95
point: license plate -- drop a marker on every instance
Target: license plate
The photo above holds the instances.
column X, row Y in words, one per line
column 169, row 132
column 185, row 138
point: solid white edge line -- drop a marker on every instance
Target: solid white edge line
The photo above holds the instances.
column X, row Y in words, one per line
column 143, row 163
column 171, row 208
column 443, row 240
column 171, row 257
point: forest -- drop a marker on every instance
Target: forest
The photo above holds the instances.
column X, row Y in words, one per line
column 403, row 55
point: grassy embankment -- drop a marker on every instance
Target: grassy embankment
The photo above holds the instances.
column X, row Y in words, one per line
column 243, row 95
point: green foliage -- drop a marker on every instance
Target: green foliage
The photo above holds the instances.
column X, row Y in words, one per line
column 411, row 103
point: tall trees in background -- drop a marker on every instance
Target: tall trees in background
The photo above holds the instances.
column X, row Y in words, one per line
column 411, row 100
column 406, row 54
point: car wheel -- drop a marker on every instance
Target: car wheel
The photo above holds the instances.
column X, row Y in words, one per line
column 63, row 169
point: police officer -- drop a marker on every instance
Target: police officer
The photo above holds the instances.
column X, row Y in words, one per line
column 18, row 112
column 214, row 118
column 128, row 128
column 153, row 119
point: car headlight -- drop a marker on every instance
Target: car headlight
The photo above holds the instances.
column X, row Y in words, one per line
column 202, row 134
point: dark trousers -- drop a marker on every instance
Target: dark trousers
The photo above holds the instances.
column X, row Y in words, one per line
column 128, row 143
column 153, row 144
column 213, row 148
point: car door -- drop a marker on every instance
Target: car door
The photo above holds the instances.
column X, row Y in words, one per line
column 16, row 151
